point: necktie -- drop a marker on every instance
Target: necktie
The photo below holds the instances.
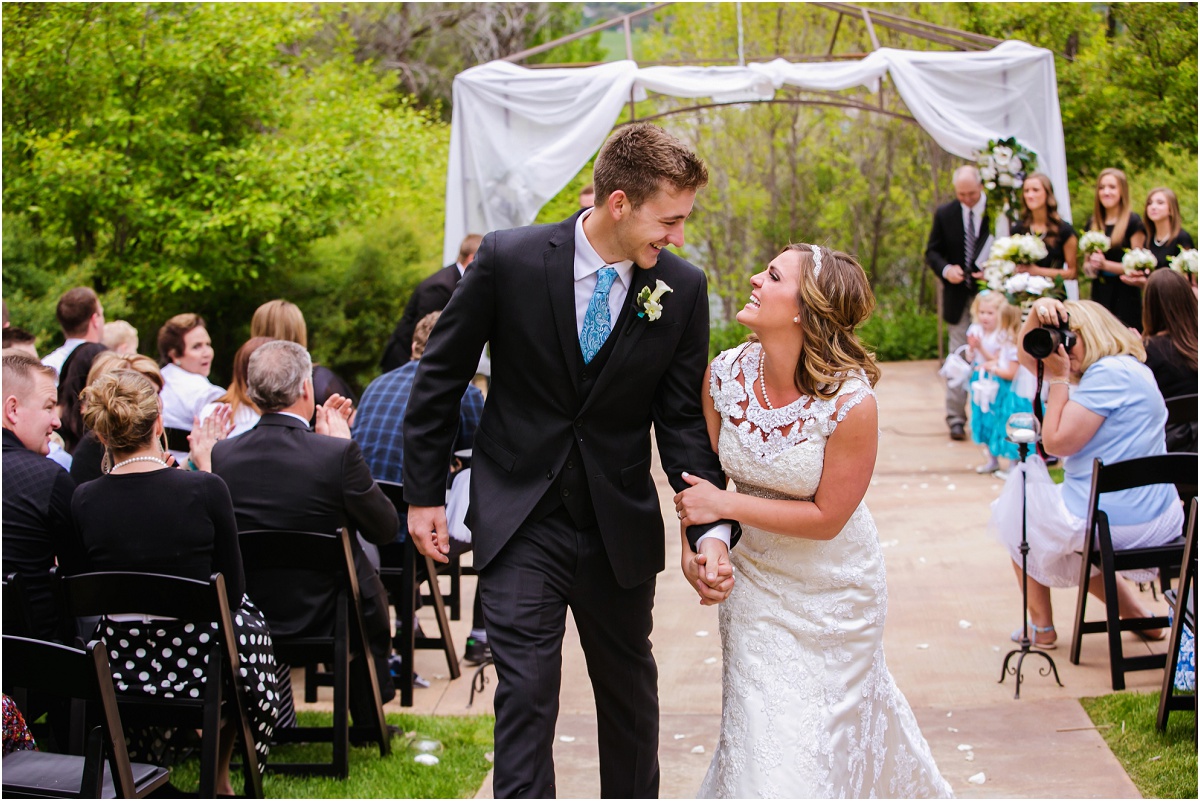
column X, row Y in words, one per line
column 597, row 323
column 968, row 264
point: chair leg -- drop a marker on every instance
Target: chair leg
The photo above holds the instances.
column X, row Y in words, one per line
column 406, row 609
column 341, row 692
column 439, row 608
column 455, row 589
column 1085, row 573
column 1112, row 607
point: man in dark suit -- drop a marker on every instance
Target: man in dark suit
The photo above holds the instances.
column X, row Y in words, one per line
column 563, row 509
column 431, row 295
column 282, row 476
column 959, row 231
column 37, row 491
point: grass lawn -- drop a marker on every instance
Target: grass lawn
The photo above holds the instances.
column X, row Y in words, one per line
column 459, row 774
column 1161, row 765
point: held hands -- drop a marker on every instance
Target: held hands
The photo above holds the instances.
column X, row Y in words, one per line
column 430, row 533
column 334, row 417
column 700, row 503
column 709, row 572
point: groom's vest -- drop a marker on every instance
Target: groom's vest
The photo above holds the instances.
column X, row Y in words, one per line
column 570, row 487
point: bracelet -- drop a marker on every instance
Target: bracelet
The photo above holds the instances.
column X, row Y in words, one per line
column 1054, row 381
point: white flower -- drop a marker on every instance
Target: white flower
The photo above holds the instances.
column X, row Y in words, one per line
column 1002, row 155
column 653, row 310
column 1038, row 284
column 1018, row 183
column 660, row 289
column 651, row 300
column 1015, row 165
column 988, row 173
column 990, row 184
column 1016, row 283
column 1185, row 262
column 1005, row 179
column 1094, row 242
column 1138, row 259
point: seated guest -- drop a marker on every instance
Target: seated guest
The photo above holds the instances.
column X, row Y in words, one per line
column 146, row 518
column 91, row 460
column 379, row 431
column 245, row 414
column 82, row 319
column 71, row 381
column 121, row 337
column 1169, row 326
column 279, row 319
column 185, row 353
column 37, row 492
column 284, row 477
column 20, row 339
column 1109, row 408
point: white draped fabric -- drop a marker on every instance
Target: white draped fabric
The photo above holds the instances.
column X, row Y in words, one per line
column 518, row 136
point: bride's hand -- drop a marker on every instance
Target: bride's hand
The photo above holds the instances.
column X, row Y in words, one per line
column 699, row 503
column 697, row 571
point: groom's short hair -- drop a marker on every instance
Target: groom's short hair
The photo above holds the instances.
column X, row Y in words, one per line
column 638, row 159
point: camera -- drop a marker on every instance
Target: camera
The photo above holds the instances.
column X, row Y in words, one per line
column 1041, row 342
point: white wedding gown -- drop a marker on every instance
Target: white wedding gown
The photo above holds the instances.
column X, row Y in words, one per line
column 809, row 709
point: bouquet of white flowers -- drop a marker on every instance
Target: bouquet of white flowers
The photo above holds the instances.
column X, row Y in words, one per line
column 1184, row 263
column 1021, row 289
column 1003, row 166
column 1094, row 242
column 1019, row 249
column 1137, row 260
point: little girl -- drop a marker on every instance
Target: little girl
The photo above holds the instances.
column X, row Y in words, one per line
column 993, row 342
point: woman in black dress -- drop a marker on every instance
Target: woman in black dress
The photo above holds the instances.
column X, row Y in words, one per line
column 1169, row 323
column 1125, row 231
column 144, row 517
column 1041, row 217
column 88, row 461
column 1164, row 233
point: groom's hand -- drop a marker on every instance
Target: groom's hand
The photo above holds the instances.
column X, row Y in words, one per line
column 709, row 571
column 427, row 526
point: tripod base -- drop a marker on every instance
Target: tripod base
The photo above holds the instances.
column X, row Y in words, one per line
column 1015, row 670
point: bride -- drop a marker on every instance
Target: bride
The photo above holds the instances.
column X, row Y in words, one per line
column 810, row 709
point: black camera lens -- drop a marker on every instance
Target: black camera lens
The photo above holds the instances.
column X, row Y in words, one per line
column 1041, row 342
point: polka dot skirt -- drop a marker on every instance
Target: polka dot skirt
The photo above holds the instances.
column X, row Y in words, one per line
column 168, row 659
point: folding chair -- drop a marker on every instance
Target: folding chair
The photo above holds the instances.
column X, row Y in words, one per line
column 398, row 571
column 1098, row 552
column 196, row 602
column 1185, row 618
column 16, row 607
column 299, row 561
column 104, row 771
column 1182, row 412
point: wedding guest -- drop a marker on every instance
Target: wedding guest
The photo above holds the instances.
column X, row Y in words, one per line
column 37, row 492
column 184, row 526
column 279, row 319
column 244, row 413
column 959, row 231
column 1163, row 226
column 19, row 339
column 1169, row 334
column 81, row 317
column 431, row 295
column 186, row 355
column 121, row 337
column 1109, row 408
column 90, row 458
column 1125, row 231
column 71, row 382
column 1040, row 216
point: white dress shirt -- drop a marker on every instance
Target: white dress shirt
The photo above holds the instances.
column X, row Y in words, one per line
column 184, row 394
column 55, row 358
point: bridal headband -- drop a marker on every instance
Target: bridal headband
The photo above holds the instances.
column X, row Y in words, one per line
column 816, row 251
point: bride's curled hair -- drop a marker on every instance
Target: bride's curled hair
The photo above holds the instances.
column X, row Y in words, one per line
column 832, row 305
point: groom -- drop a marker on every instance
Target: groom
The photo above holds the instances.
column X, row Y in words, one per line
column 563, row 509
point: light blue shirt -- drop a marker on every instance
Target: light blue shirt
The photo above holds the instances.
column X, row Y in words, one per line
column 1121, row 390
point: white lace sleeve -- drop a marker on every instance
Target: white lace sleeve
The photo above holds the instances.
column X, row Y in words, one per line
column 853, row 390
column 726, row 390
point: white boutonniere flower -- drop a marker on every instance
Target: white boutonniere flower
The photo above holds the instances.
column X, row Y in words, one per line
column 650, row 300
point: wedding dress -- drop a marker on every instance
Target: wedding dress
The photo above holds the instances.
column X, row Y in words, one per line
column 810, row 709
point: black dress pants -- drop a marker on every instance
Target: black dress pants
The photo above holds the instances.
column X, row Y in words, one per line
column 547, row 566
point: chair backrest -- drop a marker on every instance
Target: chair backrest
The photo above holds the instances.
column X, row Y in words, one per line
column 1168, row 468
column 73, row 673
column 124, row 592
column 395, row 494
column 1181, row 409
column 323, row 562
column 16, row 607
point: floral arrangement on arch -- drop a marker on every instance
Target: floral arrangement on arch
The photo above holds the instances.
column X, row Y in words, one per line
column 1003, row 166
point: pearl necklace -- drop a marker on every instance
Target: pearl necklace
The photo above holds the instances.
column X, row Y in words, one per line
column 762, row 377
column 138, row 459
column 1161, row 242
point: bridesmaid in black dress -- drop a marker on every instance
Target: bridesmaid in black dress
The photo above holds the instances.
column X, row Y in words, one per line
column 1040, row 216
column 1164, row 233
column 1123, row 227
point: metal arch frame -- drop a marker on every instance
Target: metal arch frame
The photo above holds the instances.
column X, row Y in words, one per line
column 851, row 104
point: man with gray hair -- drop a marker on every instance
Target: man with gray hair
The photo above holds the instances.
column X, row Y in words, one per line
column 283, row 476
column 959, row 231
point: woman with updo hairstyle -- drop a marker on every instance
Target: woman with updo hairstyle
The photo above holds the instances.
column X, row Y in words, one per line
column 143, row 517
column 281, row 319
column 90, row 460
column 186, row 355
column 792, row 415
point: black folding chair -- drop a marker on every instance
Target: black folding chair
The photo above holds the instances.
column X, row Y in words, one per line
column 1182, row 412
column 104, row 770
column 398, row 571
column 1184, row 604
column 16, row 607
column 1099, row 552
column 300, row 560
column 199, row 603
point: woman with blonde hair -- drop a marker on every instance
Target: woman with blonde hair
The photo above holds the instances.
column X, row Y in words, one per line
column 183, row 526
column 90, row 460
column 280, row 319
column 792, row 415
column 1102, row 402
column 1113, row 215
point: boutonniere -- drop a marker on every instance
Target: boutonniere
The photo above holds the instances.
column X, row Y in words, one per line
column 650, row 300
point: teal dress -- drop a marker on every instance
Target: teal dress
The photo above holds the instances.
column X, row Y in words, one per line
column 988, row 428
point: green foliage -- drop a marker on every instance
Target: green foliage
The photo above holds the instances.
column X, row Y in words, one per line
column 459, row 773
column 900, row 330
column 723, row 336
column 1161, row 764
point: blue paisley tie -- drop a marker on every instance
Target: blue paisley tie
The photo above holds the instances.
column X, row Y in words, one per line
column 597, row 324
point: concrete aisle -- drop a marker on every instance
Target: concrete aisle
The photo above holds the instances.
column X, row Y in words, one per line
column 931, row 510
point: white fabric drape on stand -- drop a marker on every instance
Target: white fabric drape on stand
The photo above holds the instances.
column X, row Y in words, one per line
column 518, row 136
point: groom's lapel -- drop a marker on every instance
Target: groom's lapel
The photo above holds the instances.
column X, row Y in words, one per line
column 628, row 330
column 560, row 281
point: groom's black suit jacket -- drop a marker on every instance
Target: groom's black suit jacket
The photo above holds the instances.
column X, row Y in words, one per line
column 545, row 406
column 947, row 245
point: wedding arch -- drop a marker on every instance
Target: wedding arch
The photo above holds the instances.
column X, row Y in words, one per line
column 519, row 135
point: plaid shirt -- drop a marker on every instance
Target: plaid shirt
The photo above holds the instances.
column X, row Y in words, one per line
column 379, row 425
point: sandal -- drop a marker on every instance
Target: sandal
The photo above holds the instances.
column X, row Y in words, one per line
column 1035, row 630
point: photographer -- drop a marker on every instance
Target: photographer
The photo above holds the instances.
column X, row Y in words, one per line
column 1102, row 403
